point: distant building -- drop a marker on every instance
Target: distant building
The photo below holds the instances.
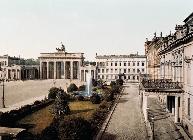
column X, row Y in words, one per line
column 110, row 67
column 11, row 68
column 153, row 60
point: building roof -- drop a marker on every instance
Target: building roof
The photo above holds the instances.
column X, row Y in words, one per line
column 119, row 56
column 191, row 15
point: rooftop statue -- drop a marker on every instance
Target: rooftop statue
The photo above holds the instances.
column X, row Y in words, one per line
column 62, row 49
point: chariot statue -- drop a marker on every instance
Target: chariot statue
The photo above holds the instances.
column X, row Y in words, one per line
column 62, row 49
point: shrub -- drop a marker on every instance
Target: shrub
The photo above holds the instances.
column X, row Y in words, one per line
column 75, row 128
column 94, row 83
column 119, row 82
column 94, row 89
column 113, row 83
column 52, row 92
column 72, row 88
column 95, row 99
column 37, row 102
column 49, row 133
column 80, row 98
column 115, row 89
column 82, row 88
column 60, row 107
column 97, row 118
column 103, row 105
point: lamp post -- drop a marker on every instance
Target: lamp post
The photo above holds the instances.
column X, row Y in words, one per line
column 3, row 97
column 153, row 127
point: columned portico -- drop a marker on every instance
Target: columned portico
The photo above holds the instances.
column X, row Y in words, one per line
column 60, row 65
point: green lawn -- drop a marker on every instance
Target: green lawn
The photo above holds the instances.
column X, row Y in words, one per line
column 41, row 119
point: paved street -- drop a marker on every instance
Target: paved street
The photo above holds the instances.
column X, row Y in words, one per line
column 127, row 120
column 165, row 129
column 18, row 93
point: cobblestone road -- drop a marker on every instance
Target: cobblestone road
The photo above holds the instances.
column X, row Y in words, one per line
column 127, row 121
column 164, row 128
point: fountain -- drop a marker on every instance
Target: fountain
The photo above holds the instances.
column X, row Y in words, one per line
column 88, row 89
column 89, row 84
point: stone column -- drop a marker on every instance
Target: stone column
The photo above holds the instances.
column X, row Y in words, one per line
column 54, row 69
column 71, row 69
column 173, row 106
column 166, row 103
column 176, row 109
column 78, row 71
column 40, row 69
column 47, row 70
column 16, row 74
column 64, row 69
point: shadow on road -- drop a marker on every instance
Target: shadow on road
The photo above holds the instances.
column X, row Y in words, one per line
column 108, row 136
column 122, row 100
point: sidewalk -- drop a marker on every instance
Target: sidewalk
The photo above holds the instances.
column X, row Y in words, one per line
column 23, row 103
column 164, row 128
column 127, row 121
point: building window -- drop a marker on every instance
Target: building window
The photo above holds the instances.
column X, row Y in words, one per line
column 124, row 64
column 133, row 63
column 125, row 70
column 188, row 106
column 98, row 76
column 115, row 63
column 138, row 70
column 106, row 63
column 133, row 77
column 128, row 63
column 120, row 70
column 107, row 70
column 137, row 77
column 128, row 70
column 137, row 63
column 143, row 70
column 102, row 76
column 133, row 70
column 111, row 70
column 99, row 70
column 129, row 77
column 120, row 64
column 142, row 64
column 107, row 77
column 111, row 64
column 103, row 70
column 115, row 70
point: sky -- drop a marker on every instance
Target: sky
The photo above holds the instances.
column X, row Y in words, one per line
column 31, row 27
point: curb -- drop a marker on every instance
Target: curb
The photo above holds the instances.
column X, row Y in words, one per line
column 107, row 121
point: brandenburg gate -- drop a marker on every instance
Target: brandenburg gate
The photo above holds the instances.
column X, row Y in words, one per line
column 60, row 64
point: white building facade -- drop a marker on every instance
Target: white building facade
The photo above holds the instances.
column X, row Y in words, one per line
column 110, row 67
column 176, row 63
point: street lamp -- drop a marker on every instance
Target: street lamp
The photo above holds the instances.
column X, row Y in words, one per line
column 3, row 97
column 152, row 120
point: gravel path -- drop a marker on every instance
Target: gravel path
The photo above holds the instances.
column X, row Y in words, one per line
column 127, row 121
